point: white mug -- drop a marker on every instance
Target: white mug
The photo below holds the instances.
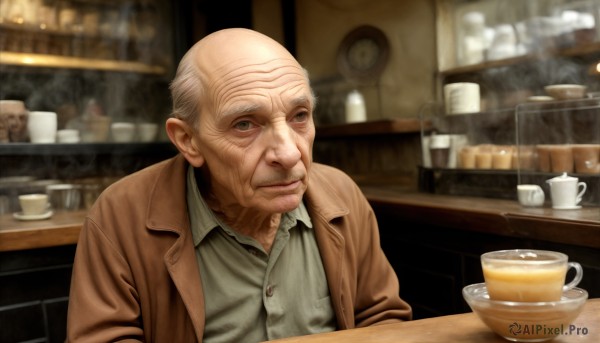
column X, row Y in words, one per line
column 122, row 132
column 530, row 195
column 462, row 97
column 33, row 204
column 566, row 191
column 67, row 136
column 42, row 127
column 147, row 132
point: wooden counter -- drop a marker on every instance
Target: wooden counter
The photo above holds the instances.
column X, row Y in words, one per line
column 493, row 216
column 579, row 227
column 466, row 328
column 61, row 229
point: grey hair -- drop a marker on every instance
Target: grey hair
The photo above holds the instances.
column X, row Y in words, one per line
column 187, row 90
column 312, row 91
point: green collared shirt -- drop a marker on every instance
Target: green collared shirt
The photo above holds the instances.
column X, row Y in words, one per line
column 253, row 296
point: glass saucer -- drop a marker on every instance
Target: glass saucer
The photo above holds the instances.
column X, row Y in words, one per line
column 526, row 321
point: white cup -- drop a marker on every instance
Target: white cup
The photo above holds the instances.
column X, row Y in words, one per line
column 462, row 97
column 33, row 204
column 566, row 191
column 122, row 132
column 530, row 195
column 42, row 127
column 147, row 132
column 67, row 136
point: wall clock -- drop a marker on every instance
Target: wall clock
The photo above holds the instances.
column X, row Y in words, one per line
column 363, row 54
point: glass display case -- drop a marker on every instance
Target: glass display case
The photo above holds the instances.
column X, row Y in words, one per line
column 483, row 31
column 518, row 47
column 516, row 53
column 93, row 63
column 87, row 59
column 560, row 137
column 490, row 153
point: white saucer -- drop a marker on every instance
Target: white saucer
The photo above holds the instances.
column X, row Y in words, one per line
column 21, row 216
column 566, row 207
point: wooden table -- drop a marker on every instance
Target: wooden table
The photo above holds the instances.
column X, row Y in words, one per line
column 464, row 328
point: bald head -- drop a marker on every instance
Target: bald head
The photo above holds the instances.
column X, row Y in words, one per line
column 215, row 57
column 224, row 47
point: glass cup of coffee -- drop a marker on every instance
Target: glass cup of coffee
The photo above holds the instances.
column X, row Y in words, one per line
column 526, row 275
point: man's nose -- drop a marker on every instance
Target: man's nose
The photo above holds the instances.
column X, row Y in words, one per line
column 283, row 148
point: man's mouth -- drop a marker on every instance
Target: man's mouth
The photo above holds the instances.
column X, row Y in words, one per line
column 284, row 185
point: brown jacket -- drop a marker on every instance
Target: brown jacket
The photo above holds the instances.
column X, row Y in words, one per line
column 136, row 278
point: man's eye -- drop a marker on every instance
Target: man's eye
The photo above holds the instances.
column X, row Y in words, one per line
column 300, row 117
column 243, row 125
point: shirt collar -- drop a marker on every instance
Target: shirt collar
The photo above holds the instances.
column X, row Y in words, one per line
column 203, row 220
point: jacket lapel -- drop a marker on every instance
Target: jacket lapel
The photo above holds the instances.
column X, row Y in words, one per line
column 323, row 206
column 180, row 259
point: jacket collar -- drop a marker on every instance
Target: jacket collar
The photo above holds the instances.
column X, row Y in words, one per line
column 167, row 209
column 322, row 198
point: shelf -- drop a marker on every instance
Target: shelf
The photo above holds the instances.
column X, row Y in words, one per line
column 376, row 127
column 51, row 61
column 29, row 149
column 584, row 50
column 35, row 30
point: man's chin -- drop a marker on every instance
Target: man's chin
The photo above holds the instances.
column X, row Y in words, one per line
column 282, row 204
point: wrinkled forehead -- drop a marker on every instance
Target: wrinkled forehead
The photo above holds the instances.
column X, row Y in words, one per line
column 243, row 75
column 248, row 70
column 276, row 77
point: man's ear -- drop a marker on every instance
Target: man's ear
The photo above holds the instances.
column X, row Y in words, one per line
column 181, row 134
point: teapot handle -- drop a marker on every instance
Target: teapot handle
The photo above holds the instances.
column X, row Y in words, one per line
column 583, row 187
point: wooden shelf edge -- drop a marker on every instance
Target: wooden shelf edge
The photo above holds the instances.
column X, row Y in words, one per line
column 587, row 49
column 375, row 127
column 51, row 61
column 65, row 149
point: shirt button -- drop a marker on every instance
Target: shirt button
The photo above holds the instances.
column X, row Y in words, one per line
column 253, row 252
column 269, row 291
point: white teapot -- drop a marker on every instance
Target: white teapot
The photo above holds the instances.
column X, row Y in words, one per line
column 566, row 192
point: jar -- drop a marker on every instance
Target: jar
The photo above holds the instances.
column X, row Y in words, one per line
column 13, row 118
column 355, row 107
